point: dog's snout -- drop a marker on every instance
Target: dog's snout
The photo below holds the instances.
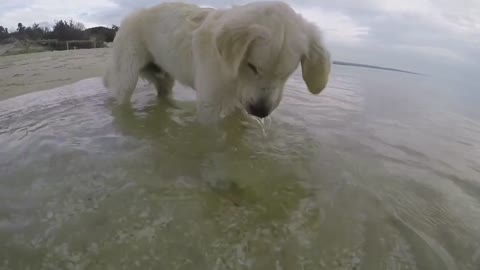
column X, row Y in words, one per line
column 261, row 110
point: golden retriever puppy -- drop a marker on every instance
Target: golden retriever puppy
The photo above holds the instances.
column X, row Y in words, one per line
column 238, row 57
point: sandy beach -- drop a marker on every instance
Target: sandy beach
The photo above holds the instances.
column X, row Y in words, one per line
column 26, row 73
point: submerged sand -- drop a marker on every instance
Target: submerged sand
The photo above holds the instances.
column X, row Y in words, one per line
column 26, row 73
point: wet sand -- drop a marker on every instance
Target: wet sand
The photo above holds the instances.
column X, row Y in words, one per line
column 26, row 73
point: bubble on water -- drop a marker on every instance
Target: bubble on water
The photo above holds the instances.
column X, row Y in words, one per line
column 278, row 266
column 355, row 261
column 147, row 233
column 162, row 221
column 93, row 248
column 144, row 214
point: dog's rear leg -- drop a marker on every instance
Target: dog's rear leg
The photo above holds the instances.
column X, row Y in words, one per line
column 162, row 80
column 164, row 85
column 122, row 73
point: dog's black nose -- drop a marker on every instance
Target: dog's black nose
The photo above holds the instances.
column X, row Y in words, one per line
column 259, row 110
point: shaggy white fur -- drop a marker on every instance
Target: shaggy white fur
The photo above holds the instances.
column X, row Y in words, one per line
column 234, row 58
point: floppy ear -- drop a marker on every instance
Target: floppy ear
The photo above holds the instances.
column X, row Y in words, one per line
column 233, row 41
column 315, row 63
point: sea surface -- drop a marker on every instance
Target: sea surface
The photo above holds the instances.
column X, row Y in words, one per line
column 379, row 171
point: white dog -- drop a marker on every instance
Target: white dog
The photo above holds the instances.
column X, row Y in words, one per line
column 234, row 58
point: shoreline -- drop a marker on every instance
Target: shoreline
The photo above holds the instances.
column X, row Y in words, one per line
column 32, row 72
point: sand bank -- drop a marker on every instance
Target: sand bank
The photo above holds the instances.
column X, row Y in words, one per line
column 26, row 73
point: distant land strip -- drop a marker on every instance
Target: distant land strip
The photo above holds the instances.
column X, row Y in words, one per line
column 340, row 63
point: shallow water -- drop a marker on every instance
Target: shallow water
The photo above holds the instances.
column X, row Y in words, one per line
column 381, row 171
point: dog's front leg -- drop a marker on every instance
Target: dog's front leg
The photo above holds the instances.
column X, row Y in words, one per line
column 207, row 113
column 208, row 76
column 208, row 103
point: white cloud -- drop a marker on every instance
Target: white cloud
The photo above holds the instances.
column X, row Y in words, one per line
column 434, row 52
column 49, row 10
column 336, row 26
column 462, row 16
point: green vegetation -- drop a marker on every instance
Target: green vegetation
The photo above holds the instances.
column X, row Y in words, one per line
column 62, row 36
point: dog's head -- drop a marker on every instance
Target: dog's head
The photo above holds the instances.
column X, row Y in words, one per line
column 258, row 46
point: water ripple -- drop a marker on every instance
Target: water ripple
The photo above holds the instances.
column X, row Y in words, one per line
column 360, row 176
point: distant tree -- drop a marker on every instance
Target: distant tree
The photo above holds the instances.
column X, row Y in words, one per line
column 3, row 32
column 63, row 30
column 20, row 27
column 35, row 32
column 78, row 25
column 20, row 33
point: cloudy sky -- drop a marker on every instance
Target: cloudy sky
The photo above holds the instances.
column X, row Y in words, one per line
column 436, row 37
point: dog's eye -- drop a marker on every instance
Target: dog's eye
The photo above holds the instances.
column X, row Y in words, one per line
column 253, row 68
